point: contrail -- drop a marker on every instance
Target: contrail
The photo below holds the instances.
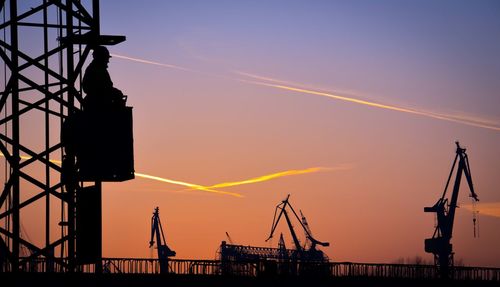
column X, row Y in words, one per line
column 262, row 78
column 273, row 176
column 190, row 185
column 147, row 176
column 212, row 188
column 457, row 119
column 56, row 161
column 489, row 208
column 284, row 85
column 152, row 63
column 464, row 119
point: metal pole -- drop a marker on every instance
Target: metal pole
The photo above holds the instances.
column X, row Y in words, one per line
column 98, row 266
column 61, row 111
column 15, row 136
column 97, row 30
column 96, row 17
column 47, row 128
column 70, row 192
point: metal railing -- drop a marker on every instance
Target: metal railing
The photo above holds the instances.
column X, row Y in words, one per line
column 267, row 268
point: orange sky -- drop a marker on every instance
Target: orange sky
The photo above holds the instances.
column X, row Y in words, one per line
column 362, row 103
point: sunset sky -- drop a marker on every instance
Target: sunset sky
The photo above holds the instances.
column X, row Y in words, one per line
column 352, row 107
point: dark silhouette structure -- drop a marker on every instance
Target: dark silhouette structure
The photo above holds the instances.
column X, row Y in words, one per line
column 97, row 84
column 92, row 136
column 439, row 244
column 164, row 252
column 303, row 260
column 301, row 252
column 44, row 82
column 100, row 135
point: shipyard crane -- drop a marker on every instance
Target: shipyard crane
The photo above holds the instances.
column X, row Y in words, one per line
column 307, row 230
column 439, row 244
column 304, row 254
column 163, row 250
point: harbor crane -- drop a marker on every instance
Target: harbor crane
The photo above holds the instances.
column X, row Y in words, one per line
column 439, row 244
column 310, row 254
column 163, row 250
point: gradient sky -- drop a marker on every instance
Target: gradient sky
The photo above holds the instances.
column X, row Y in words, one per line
column 209, row 119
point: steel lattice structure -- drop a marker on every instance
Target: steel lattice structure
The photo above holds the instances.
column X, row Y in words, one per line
column 231, row 252
column 43, row 47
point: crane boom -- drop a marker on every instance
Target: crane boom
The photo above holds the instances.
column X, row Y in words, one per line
column 163, row 250
column 309, row 235
column 296, row 241
column 312, row 252
column 282, row 207
column 439, row 244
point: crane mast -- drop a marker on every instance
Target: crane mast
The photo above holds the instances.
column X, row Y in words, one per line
column 163, row 250
column 311, row 253
column 282, row 208
column 439, row 244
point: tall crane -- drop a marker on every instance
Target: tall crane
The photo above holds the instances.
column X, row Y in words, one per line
column 439, row 244
column 163, row 250
column 302, row 253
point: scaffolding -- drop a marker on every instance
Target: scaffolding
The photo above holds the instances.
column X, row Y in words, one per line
column 43, row 47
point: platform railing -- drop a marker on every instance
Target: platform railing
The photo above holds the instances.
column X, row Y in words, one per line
column 265, row 268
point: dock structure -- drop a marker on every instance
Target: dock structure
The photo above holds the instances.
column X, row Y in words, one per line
column 136, row 271
column 95, row 145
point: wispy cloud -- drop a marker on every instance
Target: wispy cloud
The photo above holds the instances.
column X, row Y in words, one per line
column 277, row 175
column 186, row 184
column 162, row 179
column 476, row 122
column 254, row 79
column 262, row 78
column 214, row 188
column 152, row 63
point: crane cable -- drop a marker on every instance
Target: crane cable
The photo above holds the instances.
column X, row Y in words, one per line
column 475, row 220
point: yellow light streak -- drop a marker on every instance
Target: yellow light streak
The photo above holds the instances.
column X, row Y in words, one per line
column 270, row 177
column 451, row 118
column 350, row 94
column 56, row 161
column 270, row 82
column 147, row 176
column 186, row 184
column 212, row 188
column 488, row 208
